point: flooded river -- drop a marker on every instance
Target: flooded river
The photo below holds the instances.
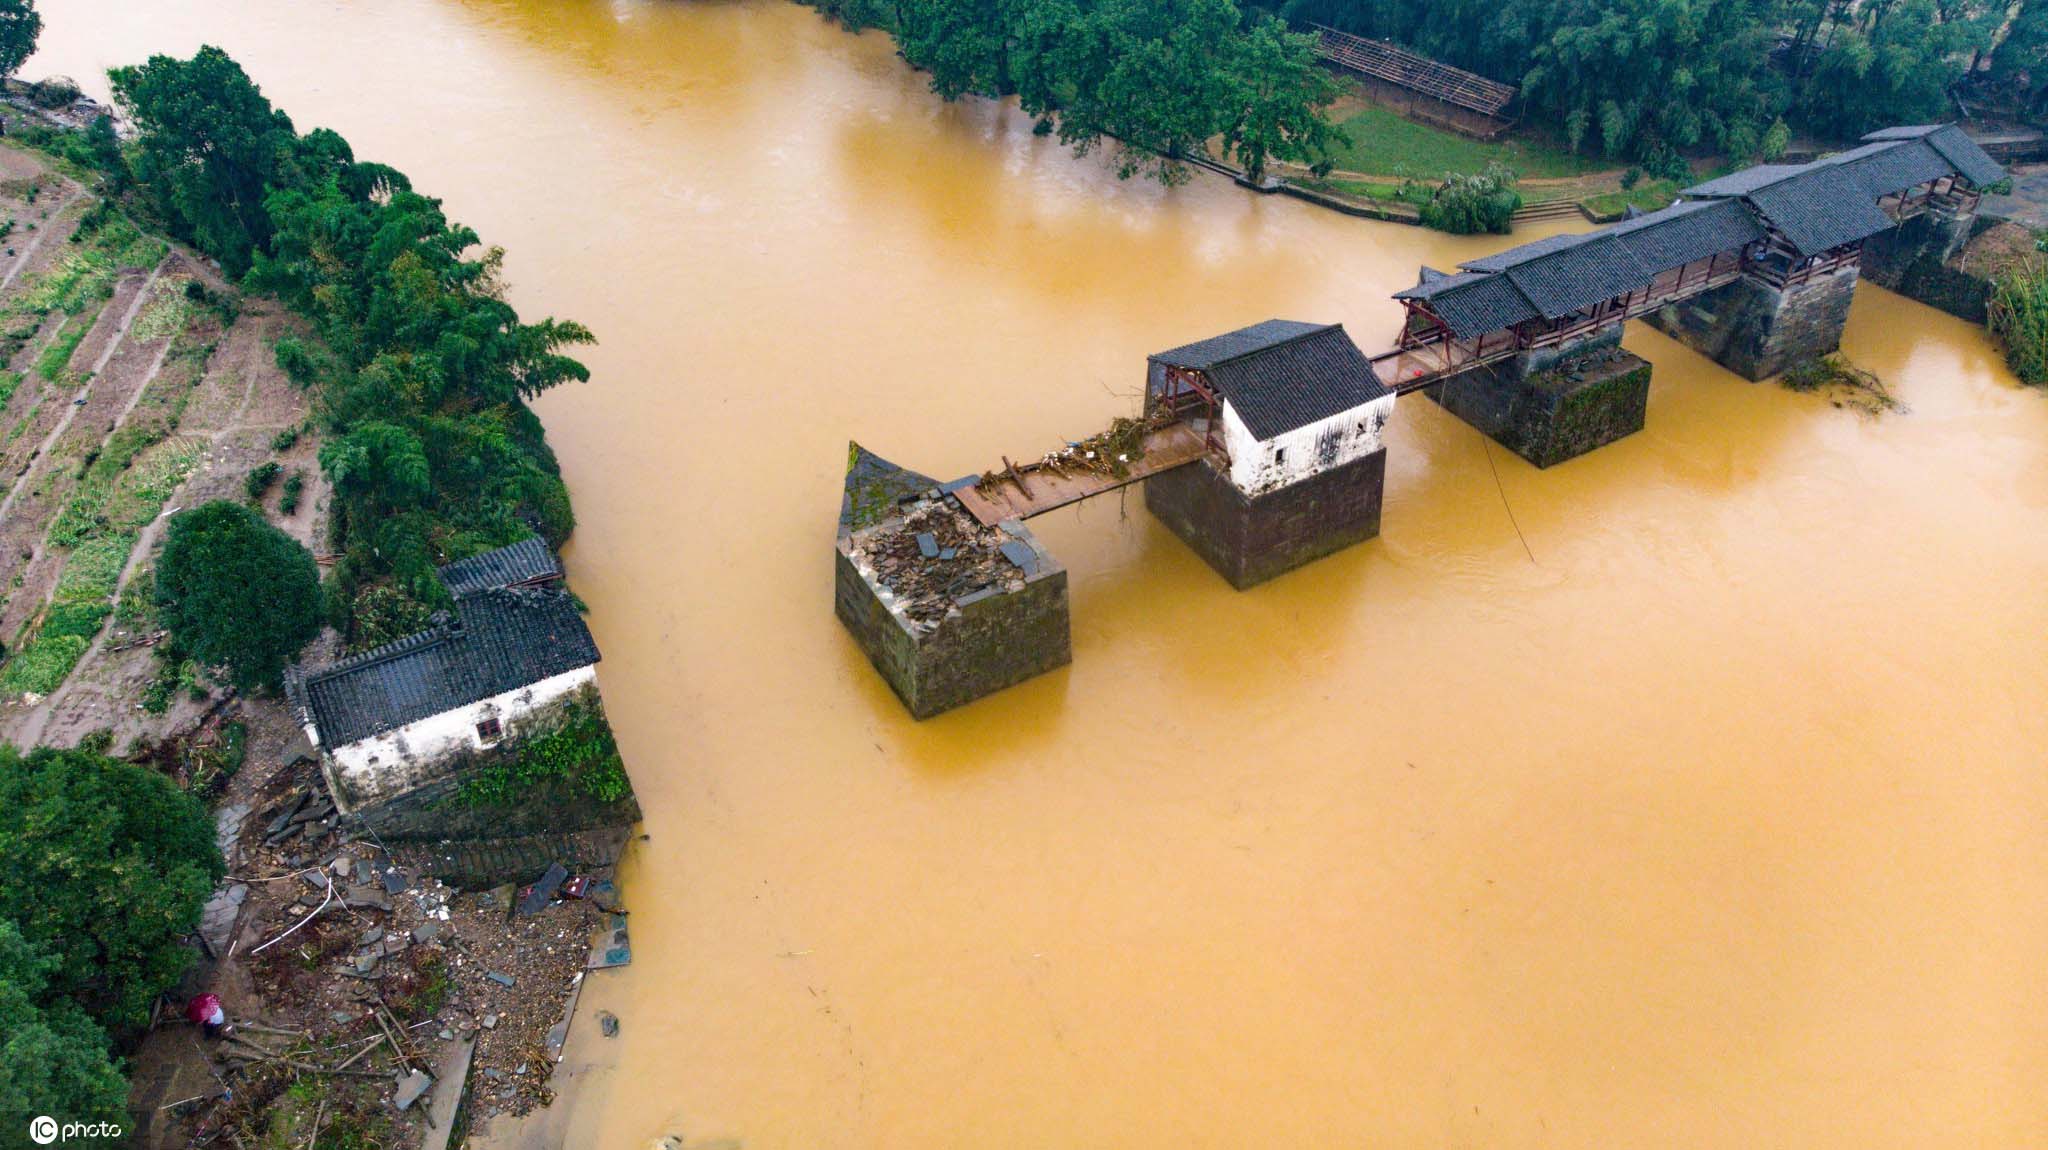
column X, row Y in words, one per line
column 1690, row 793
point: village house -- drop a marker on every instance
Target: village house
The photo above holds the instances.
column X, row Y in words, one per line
column 508, row 657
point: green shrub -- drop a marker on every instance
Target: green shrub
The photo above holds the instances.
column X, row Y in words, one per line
column 236, row 592
column 2018, row 316
column 288, row 499
column 259, row 479
column 578, row 749
column 1467, row 205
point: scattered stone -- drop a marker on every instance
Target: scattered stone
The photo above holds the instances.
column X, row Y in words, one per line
column 494, row 1074
column 608, row 1023
column 412, row 1086
column 365, row 963
column 427, row 931
column 395, row 944
column 365, row 896
column 499, row 898
column 447, row 1035
column 340, row 866
column 374, row 934
column 500, row 979
column 394, row 881
column 315, row 879
column 490, row 1022
column 342, row 1017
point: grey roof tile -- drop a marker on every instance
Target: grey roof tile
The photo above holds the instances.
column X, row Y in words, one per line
column 1579, row 275
column 1682, row 233
column 1821, row 209
column 527, row 561
column 1203, row 354
column 1956, row 146
column 1280, row 374
column 504, row 633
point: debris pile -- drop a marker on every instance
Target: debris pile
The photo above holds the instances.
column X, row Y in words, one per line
column 934, row 554
column 371, row 975
column 1843, row 383
column 1109, row 452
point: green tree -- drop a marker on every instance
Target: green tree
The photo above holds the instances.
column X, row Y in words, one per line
column 236, row 592
column 211, row 147
column 20, row 26
column 1469, row 204
column 108, row 867
column 53, row 1059
column 1279, row 106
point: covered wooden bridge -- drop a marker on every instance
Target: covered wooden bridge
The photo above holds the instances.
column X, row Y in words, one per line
column 1781, row 224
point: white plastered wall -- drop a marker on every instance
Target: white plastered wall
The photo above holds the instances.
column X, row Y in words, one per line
column 1258, row 466
column 384, row 766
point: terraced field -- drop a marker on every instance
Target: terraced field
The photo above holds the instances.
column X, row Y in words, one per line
column 136, row 382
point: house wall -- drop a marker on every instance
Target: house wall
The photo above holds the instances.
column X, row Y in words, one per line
column 382, row 767
column 1258, row 466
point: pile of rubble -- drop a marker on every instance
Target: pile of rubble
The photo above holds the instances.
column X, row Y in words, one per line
column 376, row 979
column 933, row 554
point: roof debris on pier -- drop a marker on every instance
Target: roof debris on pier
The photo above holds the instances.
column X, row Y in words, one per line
column 913, row 540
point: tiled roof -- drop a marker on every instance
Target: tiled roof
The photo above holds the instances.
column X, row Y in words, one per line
column 527, row 561
column 1959, row 149
column 1280, row 375
column 1745, row 181
column 1821, row 209
column 1474, row 303
column 1816, row 206
column 1207, row 353
column 505, row 633
column 1831, row 201
column 1693, row 230
column 1890, row 166
column 1596, row 268
column 500, row 640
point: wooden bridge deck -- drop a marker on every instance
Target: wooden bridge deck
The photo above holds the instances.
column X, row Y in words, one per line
column 1034, row 489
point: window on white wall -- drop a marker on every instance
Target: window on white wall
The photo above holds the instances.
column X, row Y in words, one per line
column 1280, row 456
column 488, row 731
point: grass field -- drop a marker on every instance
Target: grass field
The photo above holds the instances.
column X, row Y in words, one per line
column 1384, row 144
column 1648, row 196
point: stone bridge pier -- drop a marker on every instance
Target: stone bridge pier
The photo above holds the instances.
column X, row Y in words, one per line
column 1551, row 404
column 1757, row 328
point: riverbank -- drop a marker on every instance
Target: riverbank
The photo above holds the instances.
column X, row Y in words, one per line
column 140, row 382
column 1685, row 794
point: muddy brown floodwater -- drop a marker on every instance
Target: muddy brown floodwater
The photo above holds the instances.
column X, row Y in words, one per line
column 1715, row 817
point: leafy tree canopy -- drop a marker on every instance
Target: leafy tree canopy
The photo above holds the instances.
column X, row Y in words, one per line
column 211, row 147
column 433, row 453
column 1640, row 78
column 109, row 865
column 20, row 26
column 236, row 592
column 53, row 1059
column 1162, row 77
